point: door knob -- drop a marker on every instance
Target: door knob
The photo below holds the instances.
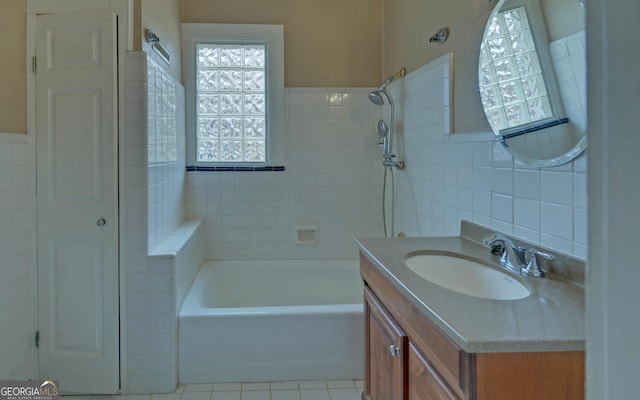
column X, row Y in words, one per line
column 101, row 222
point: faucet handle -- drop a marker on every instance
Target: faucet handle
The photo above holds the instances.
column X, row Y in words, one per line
column 532, row 268
column 520, row 252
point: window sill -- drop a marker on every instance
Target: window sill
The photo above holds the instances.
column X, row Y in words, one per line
column 236, row 168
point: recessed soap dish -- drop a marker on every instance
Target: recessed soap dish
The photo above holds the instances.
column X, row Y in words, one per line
column 306, row 234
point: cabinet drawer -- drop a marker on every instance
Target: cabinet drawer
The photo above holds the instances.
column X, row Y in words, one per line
column 424, row 382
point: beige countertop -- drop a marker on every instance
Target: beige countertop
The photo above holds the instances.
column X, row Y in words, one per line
column 550, row 319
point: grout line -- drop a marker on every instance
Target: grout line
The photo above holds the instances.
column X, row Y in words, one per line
column 181, row 390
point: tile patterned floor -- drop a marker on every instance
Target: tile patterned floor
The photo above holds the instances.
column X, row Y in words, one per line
column 288, row 390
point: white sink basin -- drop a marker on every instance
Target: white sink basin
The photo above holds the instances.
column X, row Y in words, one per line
column 467, row 277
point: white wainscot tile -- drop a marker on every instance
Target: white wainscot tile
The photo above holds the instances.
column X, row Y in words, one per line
column 580, row 226
column 502, row 180
column 556, row 243
column 482, row 177
column 482, row 203
column 527, row 184
column 556, row 187
column 502, row 207
column 526, row 234
column 527, row 213
column 580, row 190
column 465, row 199
column 556, row 220
column 482, row 154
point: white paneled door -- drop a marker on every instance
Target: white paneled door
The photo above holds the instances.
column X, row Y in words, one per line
column 76, row 139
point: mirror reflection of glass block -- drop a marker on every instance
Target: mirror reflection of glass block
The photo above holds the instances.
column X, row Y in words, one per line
column 254, row 80
column 231, row 127
column 254, row 56
column 539, row 108
column 254, row 127
column 499, row 47
column 230, row 56
column 522, row 42
column 487, row 74
column 520, row 96
column 207, row 103
column 485, row 56
column 231, row 79
column 207, row 150
column 496, row 27
column 254, row 104
column 533, row 86
column 491, row 96
column 208, row 56
column 506, row 69
column 230, row 150
column 207, row 79
column 515, row 19
column 254, row 150
column 517, row 114
column 230, row 103
column 511, row 92
column 208, row 127
column 497, row 119
column 528, row 64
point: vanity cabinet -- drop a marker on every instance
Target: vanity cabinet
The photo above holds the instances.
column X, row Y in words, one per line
column 407, row 357
column 385, row 354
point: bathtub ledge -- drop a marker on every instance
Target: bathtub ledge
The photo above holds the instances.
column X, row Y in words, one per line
column 176, row 240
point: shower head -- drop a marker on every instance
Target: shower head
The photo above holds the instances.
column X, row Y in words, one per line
column 383, row 131
column 383, row 128
column 375, row 97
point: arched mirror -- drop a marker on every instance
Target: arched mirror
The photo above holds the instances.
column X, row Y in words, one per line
column 532, row 79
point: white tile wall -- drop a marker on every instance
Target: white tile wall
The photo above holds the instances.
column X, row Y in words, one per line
column 471, row 176
column 166, row 155
column 16, row 308
column 569, row 59
column 184, row 248
column 333, row 179
column 153, row 210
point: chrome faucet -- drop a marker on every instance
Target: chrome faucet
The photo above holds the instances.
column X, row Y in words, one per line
column 532, row 268
column 512, row 256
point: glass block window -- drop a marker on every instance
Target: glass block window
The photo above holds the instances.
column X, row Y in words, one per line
column 512, row 86
column 231, row 107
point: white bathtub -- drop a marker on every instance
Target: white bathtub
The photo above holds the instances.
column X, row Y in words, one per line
column 252, row 321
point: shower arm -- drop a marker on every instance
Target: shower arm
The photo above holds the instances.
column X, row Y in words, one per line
column 399, row 73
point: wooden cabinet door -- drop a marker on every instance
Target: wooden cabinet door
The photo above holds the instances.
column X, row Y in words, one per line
column 424, row 382
column 385, row 353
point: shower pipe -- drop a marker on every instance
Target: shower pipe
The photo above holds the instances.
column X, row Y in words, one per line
column 384, row 130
